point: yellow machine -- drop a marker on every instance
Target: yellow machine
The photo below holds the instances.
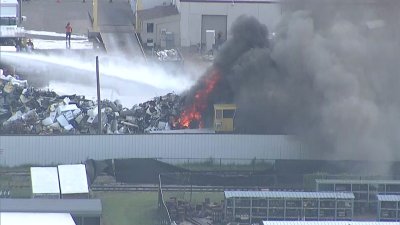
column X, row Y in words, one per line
column 224, row 116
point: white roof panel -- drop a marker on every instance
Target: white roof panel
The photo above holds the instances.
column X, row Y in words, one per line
column 389, row 198
column 328, row 223
column 287, row 194
column 73, row 179
column 12, row 218
column 45, row 180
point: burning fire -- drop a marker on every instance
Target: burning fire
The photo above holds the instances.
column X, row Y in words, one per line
column 193, row 112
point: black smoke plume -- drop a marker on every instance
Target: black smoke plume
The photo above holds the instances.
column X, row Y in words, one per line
column 329, row 74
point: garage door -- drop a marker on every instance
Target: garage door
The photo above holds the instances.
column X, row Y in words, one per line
column 213, row 22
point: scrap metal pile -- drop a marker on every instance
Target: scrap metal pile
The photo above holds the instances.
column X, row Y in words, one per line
column 26, row 110
column 207, row 212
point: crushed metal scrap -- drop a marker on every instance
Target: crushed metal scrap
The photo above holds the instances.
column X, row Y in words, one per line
column 26, row 110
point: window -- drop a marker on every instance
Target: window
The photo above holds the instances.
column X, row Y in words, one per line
column 150, row 27
column 150, row 42
column 229, row 113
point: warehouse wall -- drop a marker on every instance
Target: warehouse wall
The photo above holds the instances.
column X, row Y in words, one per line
column 46, row 150
column 171, row 23
column 191, row 14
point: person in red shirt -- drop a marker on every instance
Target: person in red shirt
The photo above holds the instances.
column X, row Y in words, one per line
column 68, row 31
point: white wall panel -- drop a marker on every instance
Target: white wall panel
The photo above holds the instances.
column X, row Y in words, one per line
column 46, row 150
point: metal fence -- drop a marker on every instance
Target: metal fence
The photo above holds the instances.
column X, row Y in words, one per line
column 48, row 150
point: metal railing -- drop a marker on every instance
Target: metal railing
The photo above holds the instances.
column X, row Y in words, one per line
column 165, row 218
column 140, row 44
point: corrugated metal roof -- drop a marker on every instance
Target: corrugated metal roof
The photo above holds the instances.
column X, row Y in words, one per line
column 287, row 194
column 36, row 219
column 346, row 181
column 328, row 223
column 73, row 206
column 389, row 198
column 45, row 180
column 73, row 179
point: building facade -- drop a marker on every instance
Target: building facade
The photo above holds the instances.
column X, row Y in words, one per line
column 159, row 27
column 200, row 16
column 250, row 207
column 365, row 191
column 388, row 207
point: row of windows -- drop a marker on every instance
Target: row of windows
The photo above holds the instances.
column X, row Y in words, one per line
column 294, row 213
column 360, row 187
column 8, row 21
column 306, row 203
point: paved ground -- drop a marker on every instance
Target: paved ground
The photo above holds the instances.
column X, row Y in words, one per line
column 50, row 15
column 115, row 21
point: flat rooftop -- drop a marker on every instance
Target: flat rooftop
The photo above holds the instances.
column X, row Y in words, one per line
column 13, row 218
column 73, row 179
column 89, row 207
column 45, row 180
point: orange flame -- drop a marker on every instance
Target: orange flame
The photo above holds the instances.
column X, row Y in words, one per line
column 194, row 111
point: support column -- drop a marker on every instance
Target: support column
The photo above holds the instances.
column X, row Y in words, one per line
column 95, row 16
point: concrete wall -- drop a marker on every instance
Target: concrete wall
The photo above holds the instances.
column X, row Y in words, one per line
column 171, row 23
column 51, row 150
column 191, row 14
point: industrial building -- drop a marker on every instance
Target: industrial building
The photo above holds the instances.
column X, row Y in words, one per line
column 365, row 191
column 255, row 206
column 200, row 16
column 83, row 211
column 388, row 207
column 199, row 24
column 159, row 27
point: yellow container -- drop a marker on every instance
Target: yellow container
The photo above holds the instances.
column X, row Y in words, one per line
column 224, row 116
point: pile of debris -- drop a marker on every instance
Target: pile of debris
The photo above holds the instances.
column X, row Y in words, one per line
column 168, row 55
column 207, row 212
column 26, row 110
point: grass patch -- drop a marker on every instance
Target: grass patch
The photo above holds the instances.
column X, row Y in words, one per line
column 129, row 208
column 24, row 192
column 19, row 186
column 140, row 208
